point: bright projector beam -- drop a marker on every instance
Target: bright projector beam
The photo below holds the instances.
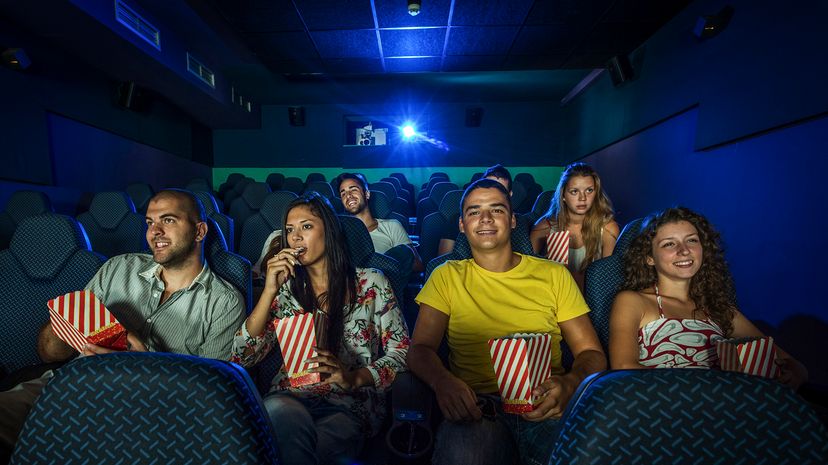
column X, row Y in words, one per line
column 408, row 131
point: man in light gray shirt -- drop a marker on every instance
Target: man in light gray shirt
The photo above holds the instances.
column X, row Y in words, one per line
column 168, row 302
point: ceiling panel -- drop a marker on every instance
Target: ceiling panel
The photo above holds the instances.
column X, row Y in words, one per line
column 336, row 14
column 472, row 63
column 394, row 13
column 413, row 42
column 343, row 44
column 353, row 66
column 412, row 65
column 490, row 12
column 277, row 46
column 481, row 40
column 545, row 40
column 507, row 34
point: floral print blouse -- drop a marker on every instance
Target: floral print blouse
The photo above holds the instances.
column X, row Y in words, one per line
column 376, row 338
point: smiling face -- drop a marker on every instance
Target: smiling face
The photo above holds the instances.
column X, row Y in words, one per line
column 304, row 229
column 172, row 235
column 487, row 221
column 353, row 197
column 676, row 251
column 579, row 194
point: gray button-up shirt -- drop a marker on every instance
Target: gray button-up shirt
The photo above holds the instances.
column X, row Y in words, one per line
column 198, row 320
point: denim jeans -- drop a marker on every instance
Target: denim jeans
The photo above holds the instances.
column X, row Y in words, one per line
column 313, row 431
column 497, row 439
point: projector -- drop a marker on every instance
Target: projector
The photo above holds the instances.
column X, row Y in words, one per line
column 367, row 135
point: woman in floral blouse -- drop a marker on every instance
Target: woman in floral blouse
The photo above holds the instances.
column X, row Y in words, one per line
column 361, row 338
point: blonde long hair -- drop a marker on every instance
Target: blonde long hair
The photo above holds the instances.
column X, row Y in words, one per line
column 598, row 215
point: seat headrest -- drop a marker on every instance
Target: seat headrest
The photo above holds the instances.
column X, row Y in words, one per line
column 214, row 241
column 140, row 193
column 450, row 205
column 255, row 193
column 23, row 204
column 273, row 208
column 358, row 238
column 109, row 208
column 209, row 202
column 43, row 243
column 380, row 205
column 630, row 232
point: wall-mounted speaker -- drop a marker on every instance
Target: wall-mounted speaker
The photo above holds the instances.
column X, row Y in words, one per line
column 296, row 116
column 474, row 116
column 131, row 96
column 620, row 69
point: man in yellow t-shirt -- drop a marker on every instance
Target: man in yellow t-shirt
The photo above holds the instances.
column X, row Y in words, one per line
column 495, row 293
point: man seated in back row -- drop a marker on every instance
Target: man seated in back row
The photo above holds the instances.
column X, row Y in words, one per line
column 494, row 294
column 168, row 302
column 389, row 236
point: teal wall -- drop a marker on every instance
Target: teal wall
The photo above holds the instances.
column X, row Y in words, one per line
column 545, row 176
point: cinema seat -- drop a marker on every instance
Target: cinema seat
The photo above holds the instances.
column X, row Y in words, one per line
column 113, row 226
column 246, row 205
column 49, row 256
column 21, row 204
column 436, row 223
column 684, row 416
column 140, row 193
column 541, row 205
column 363, row 254
column 147, row 408
column 233, row 268
column 224, row 222
column 260, row 225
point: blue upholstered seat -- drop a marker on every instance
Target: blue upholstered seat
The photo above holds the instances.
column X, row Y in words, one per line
column 683, row 416
column 224, row 222
column 49, row 256
column 147, row 408
column 362, row 254
column 268, row 219
column 113, row 226
column 246, row 205
column 21, row 204
column 140, row 193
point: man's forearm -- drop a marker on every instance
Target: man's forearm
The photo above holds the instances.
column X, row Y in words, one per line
column 424, row 362
column 587, row 363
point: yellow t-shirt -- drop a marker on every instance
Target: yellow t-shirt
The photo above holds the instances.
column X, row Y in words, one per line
column 531, row 298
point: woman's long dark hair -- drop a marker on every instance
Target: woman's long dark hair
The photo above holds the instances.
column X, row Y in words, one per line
column 341, row 273
column 711, row 288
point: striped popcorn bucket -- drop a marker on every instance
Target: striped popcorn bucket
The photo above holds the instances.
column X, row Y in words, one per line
column 79, row 318
column 557, row 247
column 754, row 356
column 297, row 338
column 521, row 362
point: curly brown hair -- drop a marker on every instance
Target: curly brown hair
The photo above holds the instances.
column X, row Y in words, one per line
column 711, row 289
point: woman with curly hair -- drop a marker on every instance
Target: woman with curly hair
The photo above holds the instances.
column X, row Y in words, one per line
column 679, row 299
column 361, row 338
column 581, row 207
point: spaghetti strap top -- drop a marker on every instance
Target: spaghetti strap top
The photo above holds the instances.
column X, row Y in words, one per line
column 678, row 343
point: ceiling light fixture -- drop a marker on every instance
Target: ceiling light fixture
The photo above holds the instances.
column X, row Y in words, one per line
column 413, row 7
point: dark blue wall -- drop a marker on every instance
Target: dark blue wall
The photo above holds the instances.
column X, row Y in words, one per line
column 731, row 127
column 59, row 117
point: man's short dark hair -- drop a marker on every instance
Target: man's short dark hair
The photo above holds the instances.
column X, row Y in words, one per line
column 499, row 171
column 355, row 176
column 485, row 183
column 192, row 206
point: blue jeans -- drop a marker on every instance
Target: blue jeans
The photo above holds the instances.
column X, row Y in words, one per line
column 313, row 431
column 496, row 439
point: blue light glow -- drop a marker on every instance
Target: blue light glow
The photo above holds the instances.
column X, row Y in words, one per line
column 408, row 131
